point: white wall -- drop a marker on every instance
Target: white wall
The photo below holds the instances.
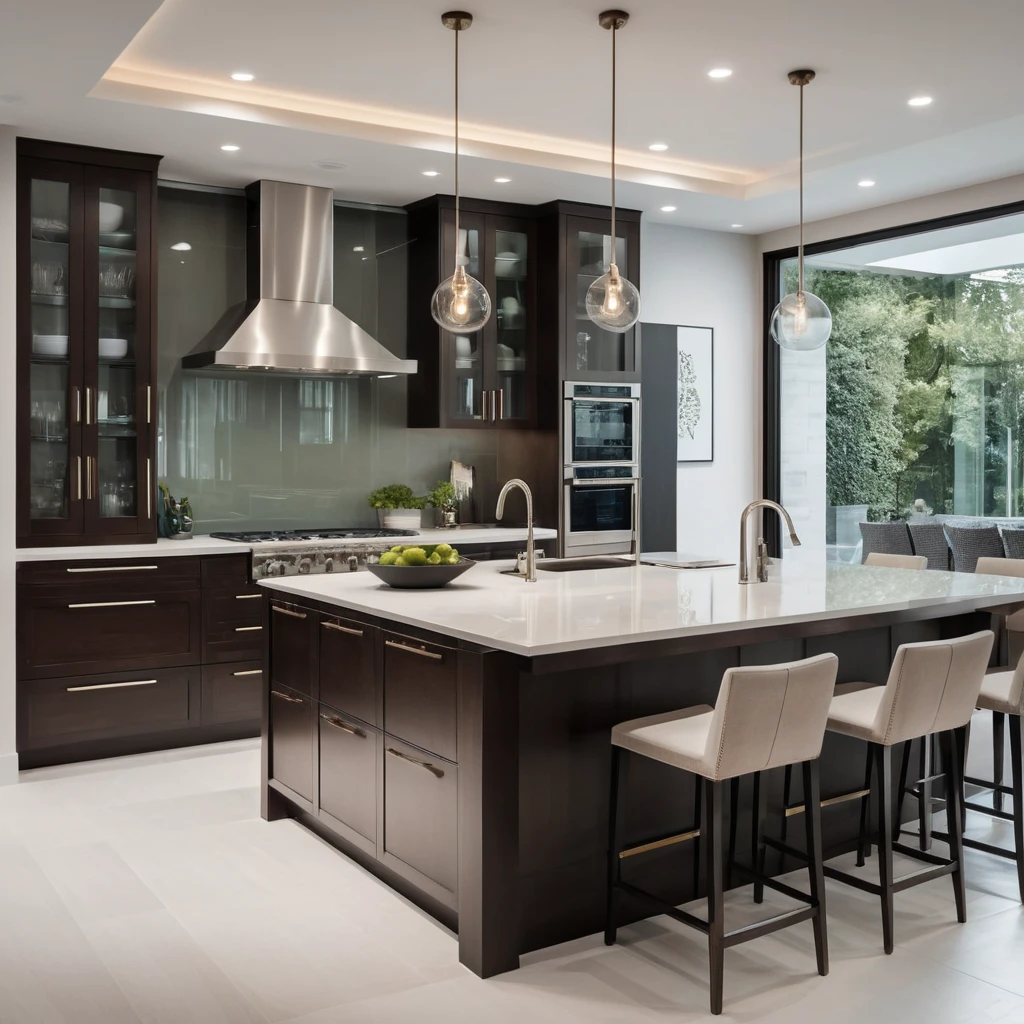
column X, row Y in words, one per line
column 8, row 470
column 712, row 279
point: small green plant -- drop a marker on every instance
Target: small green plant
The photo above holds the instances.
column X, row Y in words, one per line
column 395, row 496
column 443, row 496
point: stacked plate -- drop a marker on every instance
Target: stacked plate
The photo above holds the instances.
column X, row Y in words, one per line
column 52, row 346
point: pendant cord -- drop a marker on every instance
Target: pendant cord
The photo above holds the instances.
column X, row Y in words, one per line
column 457, row 148
column 612, row 261
column 800, row 251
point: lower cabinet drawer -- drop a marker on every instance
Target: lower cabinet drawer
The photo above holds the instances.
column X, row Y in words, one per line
column 232, row 623
column 232, row 693
column 81, row 708
column 421, row 795
column 348, row 772
column 291, row 740
column 421, row 694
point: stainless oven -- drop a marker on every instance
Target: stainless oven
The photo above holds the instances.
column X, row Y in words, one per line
column 601, row 510
column 601, row 424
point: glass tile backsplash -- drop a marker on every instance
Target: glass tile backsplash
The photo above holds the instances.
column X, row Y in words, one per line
column 253, row 451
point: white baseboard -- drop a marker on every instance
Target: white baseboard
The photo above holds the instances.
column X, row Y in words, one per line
column 8, row 769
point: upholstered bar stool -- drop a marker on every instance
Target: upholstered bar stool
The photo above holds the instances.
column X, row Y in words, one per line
column 896, row 561
column 933, row 687
column 764, row 717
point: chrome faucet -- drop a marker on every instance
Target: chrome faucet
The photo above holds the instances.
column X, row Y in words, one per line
column 760, row 567
column 531, row 558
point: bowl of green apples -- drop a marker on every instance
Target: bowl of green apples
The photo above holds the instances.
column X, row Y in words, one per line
column 420, row 566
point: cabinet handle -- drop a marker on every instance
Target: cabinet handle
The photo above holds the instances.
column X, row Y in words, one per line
column 284, row 696
column 149, row 488
column 344, row 726
column 88, row 476
column 114, row 568
column 501, row 405
column 78, row 405
column 483, row 404
column 432, row 768
column 247, row 597
column 248, row 629
column 109, row 686
column 287, row 611
column 421, row 651
column 249, row 672
column 88, row 406
column 109, row 604
column 78, row 464
column 149, row 403
column 341, row 629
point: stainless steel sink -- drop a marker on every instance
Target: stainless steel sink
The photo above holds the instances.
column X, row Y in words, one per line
column 579, row 564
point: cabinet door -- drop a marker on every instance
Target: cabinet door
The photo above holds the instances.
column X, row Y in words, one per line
column 348, row 775
column 293, row 647
column 421, row 694
column 232, row 694
column 348, row 678
column 118, row 315
column 594, row 354
column 50, row 350
column 291, row 741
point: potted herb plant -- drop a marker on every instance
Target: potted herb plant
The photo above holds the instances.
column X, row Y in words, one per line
column 443, row 498
column 397, row 507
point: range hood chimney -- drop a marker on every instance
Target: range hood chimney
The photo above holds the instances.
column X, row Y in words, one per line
column 288, row 323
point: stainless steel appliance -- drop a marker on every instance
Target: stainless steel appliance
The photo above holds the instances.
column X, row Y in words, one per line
column 601, row 469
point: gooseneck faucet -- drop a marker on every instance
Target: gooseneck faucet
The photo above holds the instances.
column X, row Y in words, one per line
column 531, row 558
column 759, row 569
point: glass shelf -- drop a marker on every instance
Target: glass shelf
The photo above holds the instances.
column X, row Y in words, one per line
column 49, row 300
column 50, row 440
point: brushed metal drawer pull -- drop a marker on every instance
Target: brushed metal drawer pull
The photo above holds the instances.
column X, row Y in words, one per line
column 432, row 768
column 114, row 568
column 247, row 629
column 284, row 696
column 247, row 597
column 342, row 629
column 109, row 604
column 422, row 652
column 110, row 686
column 288, row 611
column 249, row 672
column 344, row 726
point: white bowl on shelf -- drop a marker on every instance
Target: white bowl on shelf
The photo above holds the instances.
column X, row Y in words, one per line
column 53, row 345
column 111, row 215
column 508, row 264
column 113, row 348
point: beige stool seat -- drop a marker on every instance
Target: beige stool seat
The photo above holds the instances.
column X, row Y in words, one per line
column 896, row 561
column 678, row 738
column 1002, row 690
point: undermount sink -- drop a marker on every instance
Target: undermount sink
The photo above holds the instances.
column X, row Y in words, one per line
column 579, row 564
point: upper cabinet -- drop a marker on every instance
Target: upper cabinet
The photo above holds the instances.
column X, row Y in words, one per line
column 85, row 345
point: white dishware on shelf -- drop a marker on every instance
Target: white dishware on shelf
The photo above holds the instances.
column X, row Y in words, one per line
column 506, row 351
column 507, row 264
column 463, row 346
column 54, row 346
column 510, row 305
column 111, row 215
column 113, row 348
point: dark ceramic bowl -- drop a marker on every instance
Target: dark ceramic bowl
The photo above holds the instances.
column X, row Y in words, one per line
column 420, row 577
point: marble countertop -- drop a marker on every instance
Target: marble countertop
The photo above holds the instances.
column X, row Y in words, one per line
column 201, row 544
column 581, row 610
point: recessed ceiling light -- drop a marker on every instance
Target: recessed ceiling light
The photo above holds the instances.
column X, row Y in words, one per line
column 229, row 148
column 668, row 209
column 919, row 101
column 735, row 225
column 357, row 248
column 181, row 247
column 431, row 174
column 329, row 165
column 658, row 147
column 242, row 76
column 502, row 181
column 866, row 183
column 719, row 72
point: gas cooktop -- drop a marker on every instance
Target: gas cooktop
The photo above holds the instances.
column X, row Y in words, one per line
column 284, row 536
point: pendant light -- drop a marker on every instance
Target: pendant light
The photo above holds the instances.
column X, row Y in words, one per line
column 460, row 304
column 801, row 321
column 613, row 302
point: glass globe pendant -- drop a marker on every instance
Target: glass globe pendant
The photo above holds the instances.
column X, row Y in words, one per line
column 460, row 304
column 613, row 303
column 801, row 322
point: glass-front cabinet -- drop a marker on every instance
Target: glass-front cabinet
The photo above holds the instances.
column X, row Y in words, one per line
column 85, row 345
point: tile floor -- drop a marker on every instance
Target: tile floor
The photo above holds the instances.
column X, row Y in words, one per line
column 148, row 889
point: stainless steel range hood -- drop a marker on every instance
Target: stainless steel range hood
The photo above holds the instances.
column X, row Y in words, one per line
column 288, row 323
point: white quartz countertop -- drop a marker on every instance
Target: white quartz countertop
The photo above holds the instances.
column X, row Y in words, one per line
column 571, row 611
column 201, row 544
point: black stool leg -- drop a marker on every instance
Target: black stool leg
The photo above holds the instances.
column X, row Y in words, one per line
column 901, row 792
column 787, row 796
column 864, row 846
column 1017, row 773
column 998, row 742
column 816, row 867
column 924, row 803
column 698, row 798
column 711, row 845
column 952, row 745
column 758, row 847
column 616, row 829
column 883, row 760
column 734, row 820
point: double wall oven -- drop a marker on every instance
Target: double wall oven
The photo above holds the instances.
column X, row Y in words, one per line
column 601, row 469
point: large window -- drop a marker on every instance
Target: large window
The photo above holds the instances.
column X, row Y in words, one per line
column 915, row 407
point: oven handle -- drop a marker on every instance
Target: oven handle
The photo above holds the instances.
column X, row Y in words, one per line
column 607, row 401
column 606, row 482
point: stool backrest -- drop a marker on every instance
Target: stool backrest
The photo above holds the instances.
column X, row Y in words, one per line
column 1005, row 567
column 933, row 687
column 896, row 561
column 771, row 715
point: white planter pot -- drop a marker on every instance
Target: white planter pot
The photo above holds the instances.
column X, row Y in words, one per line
column 400, row 518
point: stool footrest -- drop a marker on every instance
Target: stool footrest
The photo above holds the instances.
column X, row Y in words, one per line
column 987, row 784
column 785, row 848
column 659, row 843
column 977, row 844
column 900, row 884
column 774, row 884
column 830, row 802
column 992, row 812
column 665, row 908
column 922, row 855
column 773, row 924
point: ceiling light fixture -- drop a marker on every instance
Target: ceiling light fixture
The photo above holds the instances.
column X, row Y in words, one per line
column 919, row 101
column 431, row 174
column 658, row 147
column 720, row 73
column 502, row 181
column 242, row 76
column 735, row 225
column 229, row 148
column 866, row 183
column 613, row 302
column 181, row 247
column 668, row 209
column 460, row 303
column 329, row 165
column 801, row 321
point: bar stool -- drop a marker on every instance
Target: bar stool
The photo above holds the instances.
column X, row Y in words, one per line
column 896, row 561
column 764, row 717
column 933, row 688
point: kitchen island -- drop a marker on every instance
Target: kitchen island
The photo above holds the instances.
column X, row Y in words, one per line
column 456, row 742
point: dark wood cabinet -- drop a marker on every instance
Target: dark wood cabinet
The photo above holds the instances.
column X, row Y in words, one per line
column 232, row 693
column 294, row 652
column 348, row 776
column 347, row 669
column 291, row 741
column 86, row 343
column 232, row 622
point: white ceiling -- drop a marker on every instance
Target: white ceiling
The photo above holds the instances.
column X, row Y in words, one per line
column 369, row 85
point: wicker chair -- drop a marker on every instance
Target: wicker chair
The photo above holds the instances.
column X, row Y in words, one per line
column 929, row 539
column 969, row 543
column 885, row 539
